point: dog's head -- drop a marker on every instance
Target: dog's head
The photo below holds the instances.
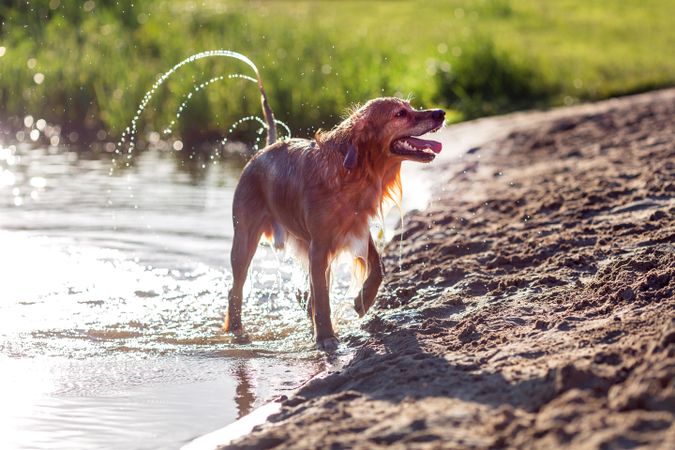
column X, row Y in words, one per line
column 387, row 129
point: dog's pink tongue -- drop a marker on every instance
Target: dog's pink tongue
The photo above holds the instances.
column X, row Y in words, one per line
column 435, row 146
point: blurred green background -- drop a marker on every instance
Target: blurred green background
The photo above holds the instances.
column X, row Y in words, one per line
column 86, row 64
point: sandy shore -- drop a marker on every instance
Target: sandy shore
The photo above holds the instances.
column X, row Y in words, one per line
column 531, row 305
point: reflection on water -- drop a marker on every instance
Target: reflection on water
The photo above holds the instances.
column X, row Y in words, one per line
column 112, row 296
column 245, row 395
column 123, row 401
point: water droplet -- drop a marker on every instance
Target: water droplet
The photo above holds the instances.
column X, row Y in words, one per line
column 38, row 182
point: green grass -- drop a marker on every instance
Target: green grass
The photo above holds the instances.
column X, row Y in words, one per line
column 318, row 58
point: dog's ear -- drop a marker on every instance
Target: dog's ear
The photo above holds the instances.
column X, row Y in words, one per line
column 358, row 132
column 351, row 157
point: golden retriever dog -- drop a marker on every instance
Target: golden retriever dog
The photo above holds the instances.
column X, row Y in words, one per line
column 319, row 196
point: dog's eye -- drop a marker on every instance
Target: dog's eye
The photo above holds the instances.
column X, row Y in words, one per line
column 401, row 113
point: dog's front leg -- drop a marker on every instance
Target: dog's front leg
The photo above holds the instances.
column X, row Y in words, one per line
column 323, row 328
column 365, row 299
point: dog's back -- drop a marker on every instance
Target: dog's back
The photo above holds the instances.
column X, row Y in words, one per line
column 286, row 182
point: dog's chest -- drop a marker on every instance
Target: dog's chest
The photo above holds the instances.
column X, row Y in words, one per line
column 355, row 242
column 365, row 202
column 361, row 209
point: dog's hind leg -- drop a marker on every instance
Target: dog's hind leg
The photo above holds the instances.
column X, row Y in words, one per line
column 243, row 249
column 247, row 231
column 364, row 300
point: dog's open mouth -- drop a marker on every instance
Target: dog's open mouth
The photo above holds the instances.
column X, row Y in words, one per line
column 416, row 148
column 422, row 149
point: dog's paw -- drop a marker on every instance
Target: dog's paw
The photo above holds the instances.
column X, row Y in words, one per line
column 361, row 305
column 329, row 344
column 241, row 339
column 233, row 327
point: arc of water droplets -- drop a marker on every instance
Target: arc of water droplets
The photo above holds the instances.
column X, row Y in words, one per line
column 247, row 119
column 130, row 131
column 259, row 131
column 201, row 86
column 198, row 88
column 288, row 130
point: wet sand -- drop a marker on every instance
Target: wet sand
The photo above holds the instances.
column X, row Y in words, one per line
column 531, row 305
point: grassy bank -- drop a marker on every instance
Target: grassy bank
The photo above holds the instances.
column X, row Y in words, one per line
column 86, row 65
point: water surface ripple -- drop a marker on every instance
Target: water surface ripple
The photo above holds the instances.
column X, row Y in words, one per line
column 112, row 296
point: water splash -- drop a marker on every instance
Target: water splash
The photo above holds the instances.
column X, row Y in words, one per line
column 129, row 134
column 236, row 124
column 286, row 128
column 198, row 88
column 259, row 131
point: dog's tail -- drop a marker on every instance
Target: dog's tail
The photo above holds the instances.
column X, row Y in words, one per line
column 267, row 113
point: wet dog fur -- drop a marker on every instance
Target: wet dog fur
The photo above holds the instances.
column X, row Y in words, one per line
column 320, row 195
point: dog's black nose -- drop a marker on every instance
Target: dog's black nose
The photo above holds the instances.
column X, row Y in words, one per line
column 438, row 114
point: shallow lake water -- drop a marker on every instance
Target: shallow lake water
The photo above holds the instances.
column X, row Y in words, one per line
column 112, row 295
